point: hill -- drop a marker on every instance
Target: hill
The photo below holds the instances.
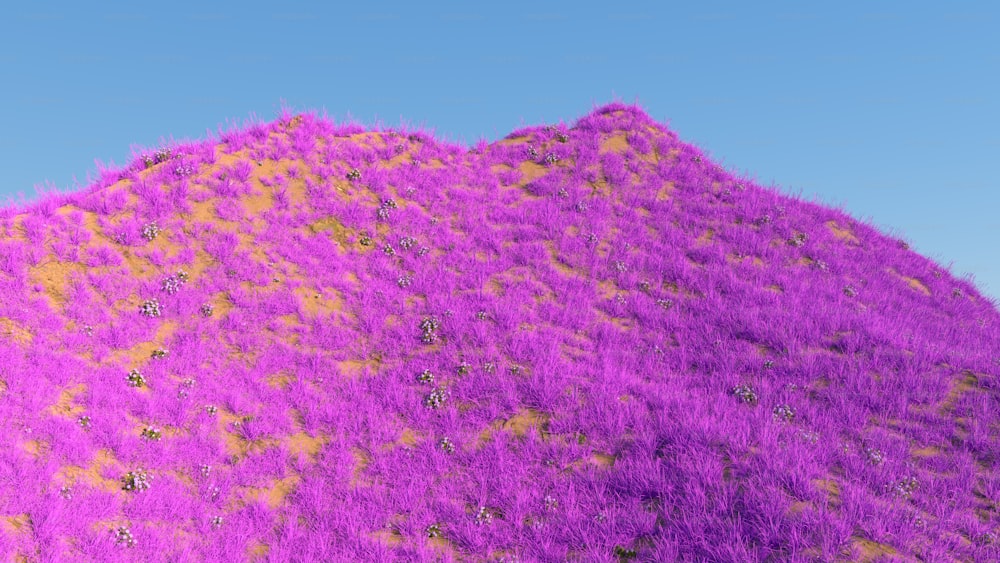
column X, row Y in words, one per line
column 305, row 341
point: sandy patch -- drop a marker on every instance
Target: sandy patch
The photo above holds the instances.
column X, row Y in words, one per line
column 14, row 331
column 841, row 233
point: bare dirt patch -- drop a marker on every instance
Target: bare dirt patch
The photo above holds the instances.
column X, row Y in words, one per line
column 91, row 475
column 871, row 551
column 64, row 405
column 912, row 282
column 614, row 143
column 530, row 171
column 14, row 331
column 841, row 233
column 665, row 191
column 518, row 425
column 831, row 487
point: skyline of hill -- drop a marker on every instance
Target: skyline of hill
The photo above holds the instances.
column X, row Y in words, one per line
column 582, row 342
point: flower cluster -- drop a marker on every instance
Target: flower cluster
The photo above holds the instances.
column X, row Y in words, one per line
column 484, row 516
column 354, row 174
column 207, row 309
column 211, row 409
column 906, row 486
column 463, row 368
column 745, row 393
column 481, row 315
column 665, row 303
column 159, row 353
column 148, row 160
column 135, row 379
column 173, row 283
column 873, row 455
column 389, row 250
column 820, row 265
column 423, row 250
column 205, row 470
column 151, row 433
column 783, row 413
column 619, row 266
column 562, row 137
column 436, row 398
column 123, row 536
column 365, row 240
column 137, row 480
column 184, row 170
column 428, row 329
column 407, row 243
column 768, row 364
column 216, row 521
column 149, row 231
column 150, row 308
column 426, row 377
column 531, row 152
column 446, row 445
column 798, row 240
column 404, row 281
column 84, row 421
column 551, row 158
column 624, row 553
column 809, row 436
column 433, row 531
column 850, row 291
column 489, row 367
column 162, row 155
column 550, row 502
column 66, row 492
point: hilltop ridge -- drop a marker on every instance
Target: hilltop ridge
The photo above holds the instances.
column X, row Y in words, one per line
column 586, row 342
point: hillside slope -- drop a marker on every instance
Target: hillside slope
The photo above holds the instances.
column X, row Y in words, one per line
column 305, row 341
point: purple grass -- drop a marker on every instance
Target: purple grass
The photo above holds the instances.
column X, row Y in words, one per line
column 310, row 341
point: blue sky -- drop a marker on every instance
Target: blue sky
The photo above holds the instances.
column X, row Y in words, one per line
column 889, row 110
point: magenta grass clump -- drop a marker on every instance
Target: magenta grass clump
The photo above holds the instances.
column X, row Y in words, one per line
column 580, row 343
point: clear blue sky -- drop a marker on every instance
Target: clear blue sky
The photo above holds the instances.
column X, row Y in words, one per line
column 888, row 109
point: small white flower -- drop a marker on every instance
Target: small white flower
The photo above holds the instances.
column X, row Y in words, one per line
column 484, row 516
column 150, row 231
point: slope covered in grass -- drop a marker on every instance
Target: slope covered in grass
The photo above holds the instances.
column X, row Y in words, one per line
column 305, row 341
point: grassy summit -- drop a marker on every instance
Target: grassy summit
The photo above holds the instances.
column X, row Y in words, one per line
column 305, row 341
